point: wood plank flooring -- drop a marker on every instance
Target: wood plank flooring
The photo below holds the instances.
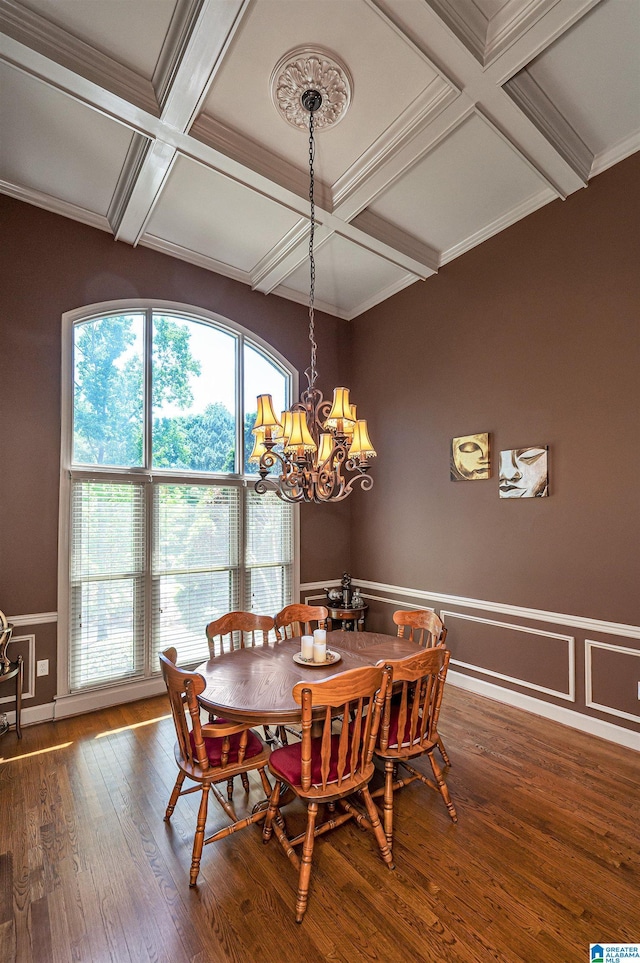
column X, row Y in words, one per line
column 545, row 857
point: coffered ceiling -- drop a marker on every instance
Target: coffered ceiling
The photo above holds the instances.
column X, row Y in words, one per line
column 153, row 120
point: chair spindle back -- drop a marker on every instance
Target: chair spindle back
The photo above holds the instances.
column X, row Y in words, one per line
column 237, row 630
column 295, row 620
column 423, row 626
column 359, row 691
column 421, row 679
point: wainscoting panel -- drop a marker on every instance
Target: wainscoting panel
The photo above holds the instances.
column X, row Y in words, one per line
column 531, row 657
column 550, row 663
column 24, row 645
column 612, row 679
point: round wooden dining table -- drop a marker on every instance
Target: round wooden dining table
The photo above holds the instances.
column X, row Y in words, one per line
column 254, row 685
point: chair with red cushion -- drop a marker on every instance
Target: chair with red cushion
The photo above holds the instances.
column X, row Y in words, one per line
column 208, row 755
column 409, row 726
column 238, row 630
column 427, row 629
column 329, row 767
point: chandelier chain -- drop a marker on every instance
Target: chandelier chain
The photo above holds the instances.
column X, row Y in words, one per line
column 317, row 451
column 312, row 374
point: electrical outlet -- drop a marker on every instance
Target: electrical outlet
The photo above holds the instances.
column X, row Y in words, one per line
column 42, row 667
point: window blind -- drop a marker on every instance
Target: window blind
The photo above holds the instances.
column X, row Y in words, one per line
column 268, row 553
column 107, row 582
column 195, row 565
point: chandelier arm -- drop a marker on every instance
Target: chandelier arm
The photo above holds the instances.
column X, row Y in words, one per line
column 364, row 481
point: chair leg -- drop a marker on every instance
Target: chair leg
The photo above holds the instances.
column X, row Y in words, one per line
column 266, row 785
column 198, row 839
column 376, row 825
column 174, row 796
column 274, row 799
column 230, row 789
column 305, row 864
column 390, row 769
column 442, row 786
column 245, row 781
column 443, row 752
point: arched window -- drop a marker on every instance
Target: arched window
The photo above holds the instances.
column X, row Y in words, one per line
column 164, row 529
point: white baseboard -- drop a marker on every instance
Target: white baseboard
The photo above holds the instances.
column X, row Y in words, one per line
column 30, row 715
column 81, row 702
column 568, row 717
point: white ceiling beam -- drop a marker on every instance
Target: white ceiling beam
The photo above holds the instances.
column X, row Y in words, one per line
column 483, row 87
column 205, row 33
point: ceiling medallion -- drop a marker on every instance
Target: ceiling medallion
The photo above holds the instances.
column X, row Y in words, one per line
column 311, row 68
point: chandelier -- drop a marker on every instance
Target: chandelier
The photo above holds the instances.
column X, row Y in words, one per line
column 316, row 450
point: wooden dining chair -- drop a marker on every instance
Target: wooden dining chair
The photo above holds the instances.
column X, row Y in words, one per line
column 238, row 630
column 208, row 754
column 421, row 626
column 329, row 768
column 296, row 620
column 409, row 726
column 427, row 629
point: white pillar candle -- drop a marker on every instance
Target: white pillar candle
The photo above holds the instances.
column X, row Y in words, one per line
column 319, row 651
column 306, row 648
column 320, row 635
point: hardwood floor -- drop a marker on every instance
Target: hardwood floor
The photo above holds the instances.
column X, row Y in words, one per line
column 544, row 859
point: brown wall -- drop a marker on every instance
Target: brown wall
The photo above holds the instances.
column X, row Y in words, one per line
column 533, row 336
column 51, row 265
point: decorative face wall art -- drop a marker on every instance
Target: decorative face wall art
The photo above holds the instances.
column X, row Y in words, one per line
column 524, row 473
column 470, row 457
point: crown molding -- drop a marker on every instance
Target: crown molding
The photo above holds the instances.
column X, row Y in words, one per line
column 382, row 295
column 55, row 205
column 614, row 155
column 527, row 94
column 193, row 257
column 52, row 42
column 300, row 297
column 500, row 224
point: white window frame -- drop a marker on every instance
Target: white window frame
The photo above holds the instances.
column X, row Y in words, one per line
column 68, row 703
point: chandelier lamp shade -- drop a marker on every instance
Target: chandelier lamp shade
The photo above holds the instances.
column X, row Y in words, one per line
column 317, row 450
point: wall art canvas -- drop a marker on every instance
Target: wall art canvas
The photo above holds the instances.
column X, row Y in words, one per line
column 524, row 473
column 470, row 457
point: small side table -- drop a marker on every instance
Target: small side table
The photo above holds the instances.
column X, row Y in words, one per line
column 15, row 670
column 351, row 619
